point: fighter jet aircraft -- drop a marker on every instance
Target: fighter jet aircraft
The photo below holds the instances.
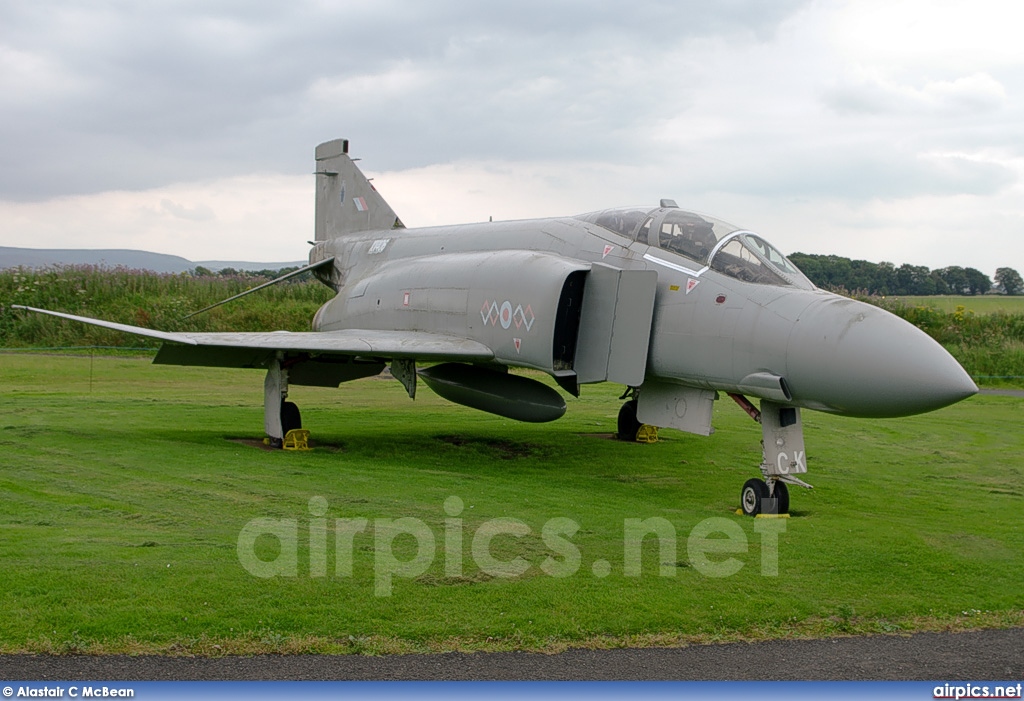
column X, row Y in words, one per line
column 678, row 307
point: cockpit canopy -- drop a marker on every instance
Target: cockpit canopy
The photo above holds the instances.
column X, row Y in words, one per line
column 710, row 243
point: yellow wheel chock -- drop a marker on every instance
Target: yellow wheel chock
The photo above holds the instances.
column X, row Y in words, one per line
column 296, row 439
column 647, row 434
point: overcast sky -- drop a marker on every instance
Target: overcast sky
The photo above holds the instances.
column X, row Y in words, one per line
column 889, row 130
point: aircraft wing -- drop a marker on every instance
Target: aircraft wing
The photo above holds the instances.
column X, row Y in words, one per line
column 254, row 349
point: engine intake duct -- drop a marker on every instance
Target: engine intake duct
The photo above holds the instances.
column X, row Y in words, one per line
column 767, row 386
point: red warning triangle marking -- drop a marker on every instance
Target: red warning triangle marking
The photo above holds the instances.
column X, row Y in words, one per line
column 690, row 284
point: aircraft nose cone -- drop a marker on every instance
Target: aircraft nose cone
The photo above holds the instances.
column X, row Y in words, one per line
column 860, row 360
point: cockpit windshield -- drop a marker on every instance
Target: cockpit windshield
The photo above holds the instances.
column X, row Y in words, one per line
column 748, row 257
column 708, row 242
column 622, row 221
column 690, row 235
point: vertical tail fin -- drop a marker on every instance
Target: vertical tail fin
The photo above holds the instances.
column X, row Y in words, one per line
column 346, row 202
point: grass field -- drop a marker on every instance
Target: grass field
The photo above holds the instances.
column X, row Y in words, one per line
column 981, row 304
column 124, row 497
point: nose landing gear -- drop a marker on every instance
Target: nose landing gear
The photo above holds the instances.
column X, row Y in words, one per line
column 783, row 457
column 764, row 497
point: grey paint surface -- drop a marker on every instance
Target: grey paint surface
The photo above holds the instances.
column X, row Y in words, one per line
column 615, row 325
column 667, row 404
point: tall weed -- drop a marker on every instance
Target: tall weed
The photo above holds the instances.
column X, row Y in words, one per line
column 147, row 299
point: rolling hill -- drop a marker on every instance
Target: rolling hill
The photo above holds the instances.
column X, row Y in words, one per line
column 11, row 257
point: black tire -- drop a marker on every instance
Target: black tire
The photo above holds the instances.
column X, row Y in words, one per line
column 290, row 417
column 753, row 493
column 782, row 494
column 628, row 423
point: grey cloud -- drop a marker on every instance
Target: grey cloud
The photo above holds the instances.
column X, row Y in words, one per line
column 166, row 92
column 976, row 93
column 861, row 172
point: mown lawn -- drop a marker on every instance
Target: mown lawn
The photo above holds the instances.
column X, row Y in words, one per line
column 125, row 488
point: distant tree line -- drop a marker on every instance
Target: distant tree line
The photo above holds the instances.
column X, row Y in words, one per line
column 200, row 271
column 864, row 277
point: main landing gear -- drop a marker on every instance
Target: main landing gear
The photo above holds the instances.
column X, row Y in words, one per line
column 291, row 419
column 279, row 415
column 628, row 424
column 629, row 427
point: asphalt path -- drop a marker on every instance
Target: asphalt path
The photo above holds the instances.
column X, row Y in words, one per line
column 1003, row 392
column 979, row 655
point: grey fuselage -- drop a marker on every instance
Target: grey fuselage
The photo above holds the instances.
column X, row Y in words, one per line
column 490, row 282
